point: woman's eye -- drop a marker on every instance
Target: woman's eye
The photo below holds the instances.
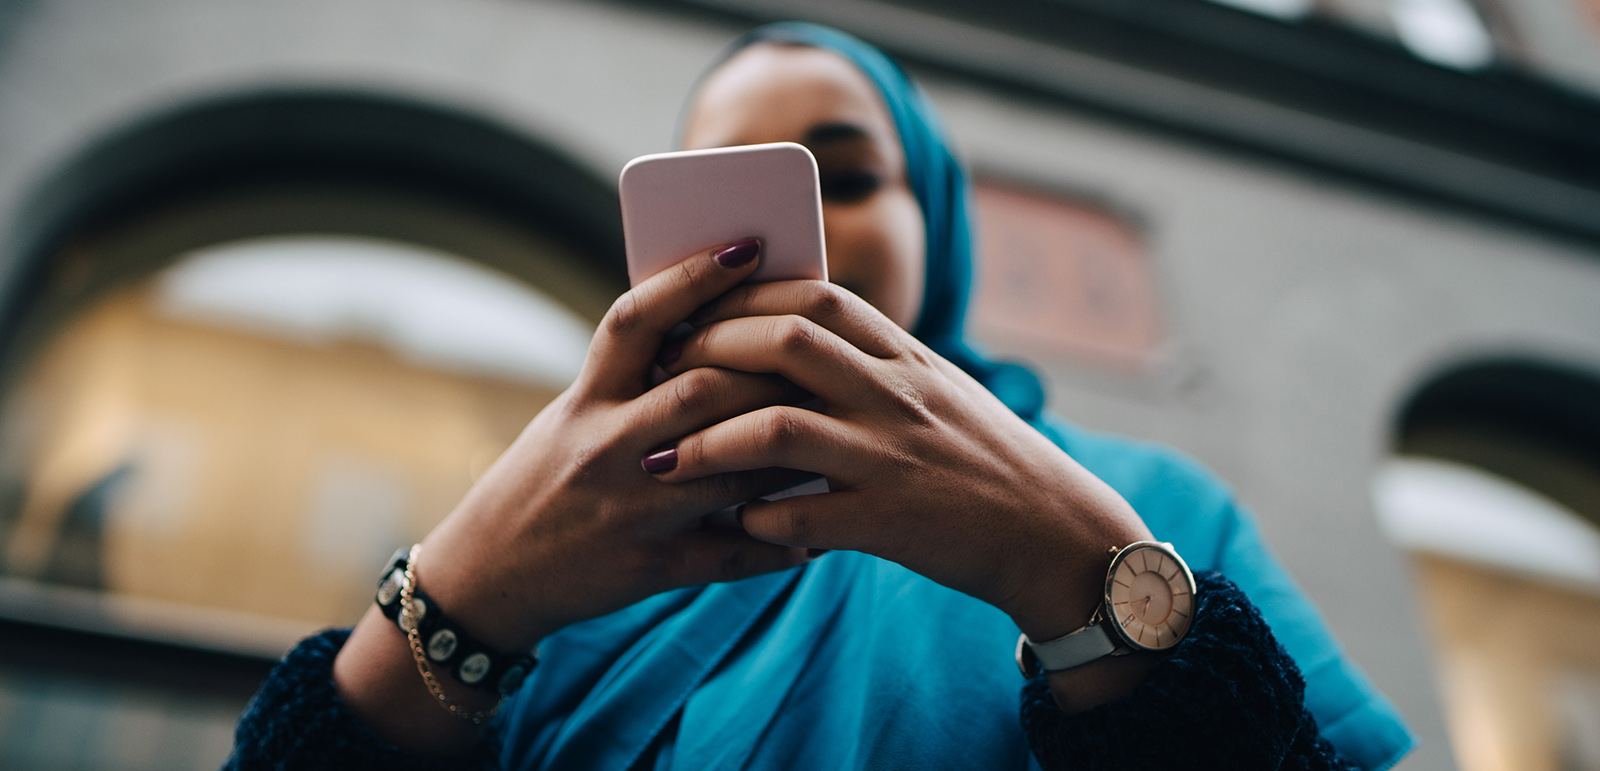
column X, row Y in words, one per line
column 849, row 187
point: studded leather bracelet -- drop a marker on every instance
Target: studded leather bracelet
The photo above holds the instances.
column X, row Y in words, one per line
column 436, row 641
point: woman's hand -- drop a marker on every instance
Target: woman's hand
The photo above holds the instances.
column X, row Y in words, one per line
column 927, row 468
column 567, row 524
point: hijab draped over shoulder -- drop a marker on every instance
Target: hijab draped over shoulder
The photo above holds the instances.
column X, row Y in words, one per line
column 855, row 662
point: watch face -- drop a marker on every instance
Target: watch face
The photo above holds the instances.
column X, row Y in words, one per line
column 1151, row 595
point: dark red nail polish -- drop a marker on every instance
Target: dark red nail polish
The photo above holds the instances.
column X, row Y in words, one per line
column 815, row 553
column 669, row 353
column 701, row 313
column 661, row 462
column 736, row 254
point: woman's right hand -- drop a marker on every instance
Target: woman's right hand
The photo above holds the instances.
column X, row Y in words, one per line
column 568, row 525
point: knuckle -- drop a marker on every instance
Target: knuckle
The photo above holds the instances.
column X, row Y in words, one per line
column 625, row 317
column 796, row 334
column 782, row 428
column 826, row 300
column 695, row 391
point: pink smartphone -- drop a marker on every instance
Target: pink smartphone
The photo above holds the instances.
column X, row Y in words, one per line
column 677, row 204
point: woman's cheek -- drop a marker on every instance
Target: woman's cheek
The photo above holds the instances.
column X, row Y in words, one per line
column 876, row 248
column 909, row 256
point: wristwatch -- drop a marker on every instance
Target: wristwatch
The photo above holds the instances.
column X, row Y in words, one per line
column 1148, row 605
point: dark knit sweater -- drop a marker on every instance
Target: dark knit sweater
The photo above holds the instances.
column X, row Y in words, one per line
column 1229, row 697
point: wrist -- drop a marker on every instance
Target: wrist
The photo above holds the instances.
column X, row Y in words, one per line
column 475, row 593
column 1063, row 587
column 377, row 679
column 1058, row 574
column 1056, row 600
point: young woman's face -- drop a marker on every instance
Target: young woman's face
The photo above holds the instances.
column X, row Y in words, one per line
column 873, row 225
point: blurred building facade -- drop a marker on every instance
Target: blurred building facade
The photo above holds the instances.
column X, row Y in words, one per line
column 257, row 260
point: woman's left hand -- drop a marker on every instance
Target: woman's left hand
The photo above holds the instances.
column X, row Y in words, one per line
column 926, row 467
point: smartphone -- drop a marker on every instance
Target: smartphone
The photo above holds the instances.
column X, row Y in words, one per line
column 677, row 204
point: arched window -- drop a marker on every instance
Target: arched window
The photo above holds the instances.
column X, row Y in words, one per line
column 253, row 347
column 1494, row 488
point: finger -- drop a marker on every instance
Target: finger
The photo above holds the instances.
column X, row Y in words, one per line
column 632, row 331
column 783, row 437
column 703, row 397
column 831, row 306
column 792, row 346
column 687, row 502
column 710, row 556
column 834, row 520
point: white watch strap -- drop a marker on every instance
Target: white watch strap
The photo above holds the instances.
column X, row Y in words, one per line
column 1075, row 649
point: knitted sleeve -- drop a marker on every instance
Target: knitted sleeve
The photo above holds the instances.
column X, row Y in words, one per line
column 297, row 720
column 1229, row 697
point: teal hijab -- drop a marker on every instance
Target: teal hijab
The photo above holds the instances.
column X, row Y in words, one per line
column 945, row 194
column 855, row 662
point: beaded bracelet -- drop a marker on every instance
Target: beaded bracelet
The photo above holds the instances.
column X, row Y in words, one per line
column 447, row 645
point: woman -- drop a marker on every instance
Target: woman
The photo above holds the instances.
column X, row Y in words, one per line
column 960, row 514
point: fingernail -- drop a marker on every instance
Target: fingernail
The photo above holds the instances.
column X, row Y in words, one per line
column 815, row 553
column 736, row 254
column 738, row 514
column 669, row 353
column 661, row 462
column 701, row 313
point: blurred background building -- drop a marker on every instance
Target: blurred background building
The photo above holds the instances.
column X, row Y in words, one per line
column 279, row 279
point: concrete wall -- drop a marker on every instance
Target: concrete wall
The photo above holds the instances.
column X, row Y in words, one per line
column 1301, row 309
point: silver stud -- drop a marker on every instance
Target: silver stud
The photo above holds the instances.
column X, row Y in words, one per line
column 413, row 615
column 441, row 645
column 473, row 668
column 390, row 588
